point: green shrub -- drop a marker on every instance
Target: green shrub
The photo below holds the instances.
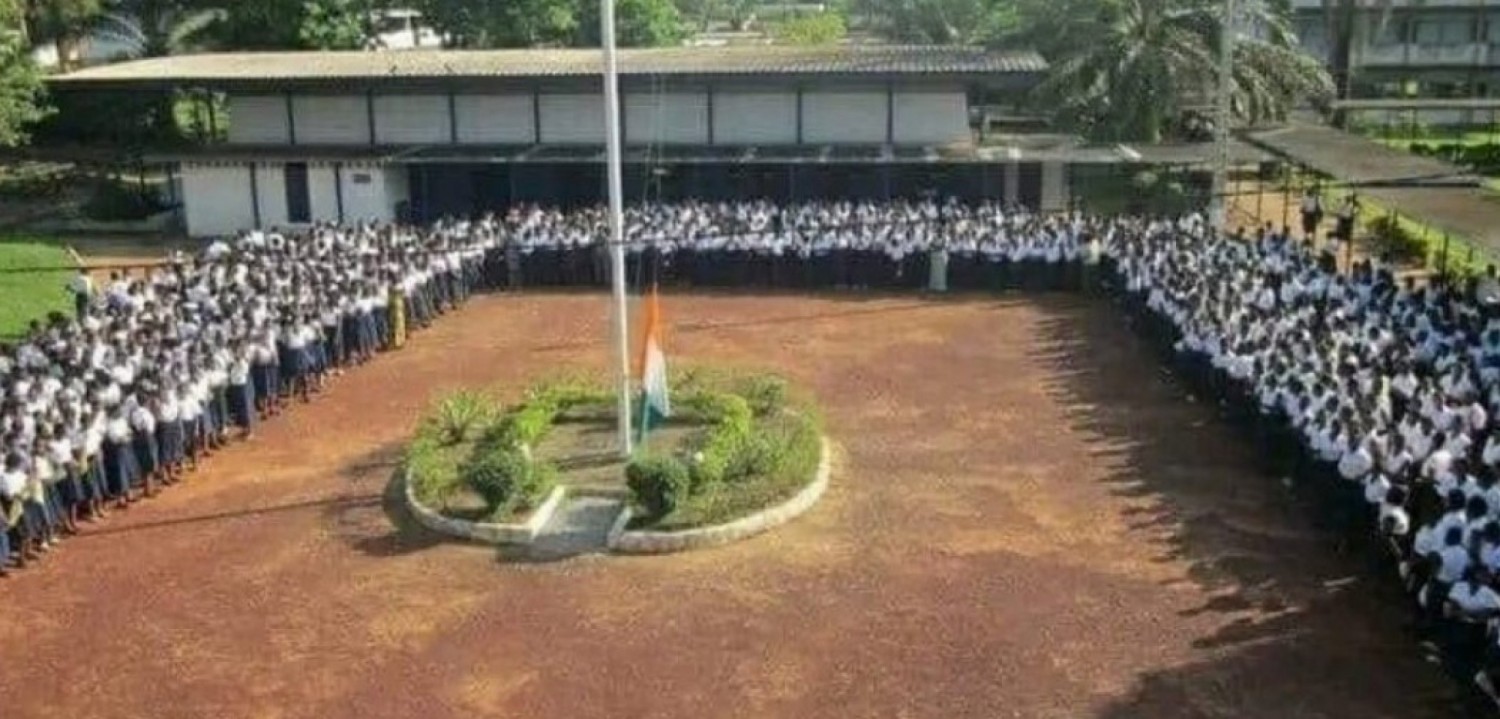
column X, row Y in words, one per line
column 766, row 394
column 531, row 485
column 567, row 394
column 658, row 482
column 525, row 425
column 1395, row 241
column 460, row 415
column 429, row 470
column 492, row 476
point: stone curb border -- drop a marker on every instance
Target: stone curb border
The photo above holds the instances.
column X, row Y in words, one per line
column 647, row 542
column 487, row 532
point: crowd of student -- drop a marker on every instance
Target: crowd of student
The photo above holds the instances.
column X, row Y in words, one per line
column 158, row 370
column 1376, row 398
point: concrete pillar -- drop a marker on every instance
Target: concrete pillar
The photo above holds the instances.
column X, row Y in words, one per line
column 1011, row 189
column 1054, row 187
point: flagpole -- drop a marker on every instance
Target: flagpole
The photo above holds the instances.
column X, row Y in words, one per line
column 616, row 214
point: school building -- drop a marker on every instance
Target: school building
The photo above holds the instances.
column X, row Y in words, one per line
column 416, row 135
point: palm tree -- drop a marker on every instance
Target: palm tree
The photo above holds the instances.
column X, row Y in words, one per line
column 153, row 28
column 1131, row 67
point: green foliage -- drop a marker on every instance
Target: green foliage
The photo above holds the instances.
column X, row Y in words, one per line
column 431, row 469
column 824, row 28
column 334, row 24
column 638, row 23
column 507, row 479
column 551, row 23
column 658, row 482
column 460, row 415
column 766, row 394
column 21, row 92
column 1125, row 70
column 1395, row 241
column 940, row 22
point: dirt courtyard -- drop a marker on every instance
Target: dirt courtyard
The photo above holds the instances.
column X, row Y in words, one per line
column 1026, row 520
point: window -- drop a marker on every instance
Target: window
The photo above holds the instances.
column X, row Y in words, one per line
column 1445, row 32
column 1492, row 29
column 298, row 203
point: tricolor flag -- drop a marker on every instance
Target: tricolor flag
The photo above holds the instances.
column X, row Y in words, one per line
column 656, row 403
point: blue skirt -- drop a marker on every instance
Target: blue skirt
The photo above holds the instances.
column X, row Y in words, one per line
column 146, row 456
column 169, row 438
column 93, row 480
column 120, row 468
column 70, row 489
column 242, row 404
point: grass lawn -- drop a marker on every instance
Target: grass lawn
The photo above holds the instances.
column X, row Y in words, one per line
column 27, row 296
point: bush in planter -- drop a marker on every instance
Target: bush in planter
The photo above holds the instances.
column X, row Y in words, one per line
column 525, row 425
column 658, row 482
column 505, row 479
column 457, row 416
column 429, row 471
column 765, row 394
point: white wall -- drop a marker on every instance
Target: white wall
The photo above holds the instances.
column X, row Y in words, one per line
column 257, row 119
column 270, row 180
column 667, row 118
column 217, row 199
column 376, row 197
column 755, row 118
column 835, row 118
column 934, row 118
column 572, row 119
column 495, row 119
column 411, row 119
column 331, row 119
column 322, row 195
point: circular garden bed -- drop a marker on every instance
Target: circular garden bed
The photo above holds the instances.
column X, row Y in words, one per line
column 736, row 444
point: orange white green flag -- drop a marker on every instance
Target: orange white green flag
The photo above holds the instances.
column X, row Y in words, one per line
column 656, row 401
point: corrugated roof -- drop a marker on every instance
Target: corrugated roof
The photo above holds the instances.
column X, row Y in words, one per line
column 430, row 64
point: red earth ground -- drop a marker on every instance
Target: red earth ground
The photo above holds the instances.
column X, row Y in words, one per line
column 1027, row 519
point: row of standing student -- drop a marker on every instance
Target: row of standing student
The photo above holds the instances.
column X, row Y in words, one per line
column 144, row 444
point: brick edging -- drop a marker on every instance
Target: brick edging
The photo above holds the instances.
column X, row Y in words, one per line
column 487, row 532
column 647, row 542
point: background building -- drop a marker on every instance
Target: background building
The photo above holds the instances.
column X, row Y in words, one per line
column 419, row 134
column 1437, row 49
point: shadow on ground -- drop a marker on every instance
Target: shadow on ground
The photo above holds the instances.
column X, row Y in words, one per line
column 1291, row 604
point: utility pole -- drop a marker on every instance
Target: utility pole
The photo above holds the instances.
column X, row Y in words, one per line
column 1223, row 116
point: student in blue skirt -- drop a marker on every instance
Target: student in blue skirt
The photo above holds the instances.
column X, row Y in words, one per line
column 143, row 442
column 119, row 458
column 241, row 392
column 13, row 519
column 169, row 433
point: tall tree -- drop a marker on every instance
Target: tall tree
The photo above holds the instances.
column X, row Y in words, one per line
column 638, row 23
column 941, row 22
column 503, row 23
column 552, row 23
column 153, row 28
column 64, row 23
column 1131, row 67
column 335, row 24
column 20, row 84
column 291, row 24
column 824, row 28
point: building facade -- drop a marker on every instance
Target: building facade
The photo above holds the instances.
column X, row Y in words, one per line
column 1438, row 49
column 421, row 134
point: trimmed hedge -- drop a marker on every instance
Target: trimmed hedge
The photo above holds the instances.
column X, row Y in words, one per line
column 659, row 482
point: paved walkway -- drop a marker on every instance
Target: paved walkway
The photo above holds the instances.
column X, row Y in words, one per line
column 580, row 526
